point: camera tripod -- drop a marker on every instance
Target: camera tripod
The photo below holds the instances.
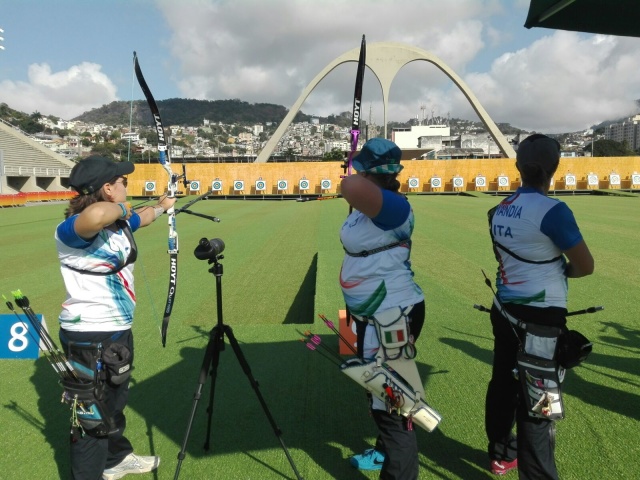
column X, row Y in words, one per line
column 211, row 250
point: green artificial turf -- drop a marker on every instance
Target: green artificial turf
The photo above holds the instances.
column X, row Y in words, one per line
column 280, row 270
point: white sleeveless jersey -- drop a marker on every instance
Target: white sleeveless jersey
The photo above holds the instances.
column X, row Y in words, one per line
column 381, row 280
column 103, row 303
column 535, row 228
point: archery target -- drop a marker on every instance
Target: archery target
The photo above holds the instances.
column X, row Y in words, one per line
column 570, row 180
column 436, row 182
column 194, row 186
column 458, row 182
column 635, row 179
column 481, row 181
column 414, row 182
column 282, row 184
column 261, row 185
column 614, row 179
column 149, row 186
column 592, row 180
column 216, row 185
column 303, row 184
column 238, row 185
column 325, row 184
column 503, row 181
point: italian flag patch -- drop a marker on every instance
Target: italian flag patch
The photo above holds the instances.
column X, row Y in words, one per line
column 394, row 336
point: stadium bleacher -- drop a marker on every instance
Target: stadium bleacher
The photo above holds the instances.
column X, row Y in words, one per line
column 28, row 167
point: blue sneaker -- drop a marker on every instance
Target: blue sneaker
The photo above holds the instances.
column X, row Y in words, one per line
column 371, row 459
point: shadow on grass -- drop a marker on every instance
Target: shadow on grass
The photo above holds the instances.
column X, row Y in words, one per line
column 56, row 415
column 320, row 411
column 597, row 394
column 302, row 308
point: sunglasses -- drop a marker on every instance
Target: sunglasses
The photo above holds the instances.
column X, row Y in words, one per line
column 124, row 182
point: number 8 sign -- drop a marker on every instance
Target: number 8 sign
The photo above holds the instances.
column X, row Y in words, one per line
column 16, row 339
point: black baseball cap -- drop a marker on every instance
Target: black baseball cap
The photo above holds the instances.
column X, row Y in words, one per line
column 541, row 150
column 91, row 173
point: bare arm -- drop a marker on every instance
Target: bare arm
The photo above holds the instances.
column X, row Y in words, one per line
column 96, row 217
column 362, row 194
column 580, row 263
column 148, row 214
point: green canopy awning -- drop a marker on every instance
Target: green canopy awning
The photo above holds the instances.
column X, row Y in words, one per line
column 610, row 17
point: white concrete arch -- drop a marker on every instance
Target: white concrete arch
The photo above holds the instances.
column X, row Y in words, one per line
column 385, row 59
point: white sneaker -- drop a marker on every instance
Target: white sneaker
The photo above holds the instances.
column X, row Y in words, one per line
column 132, row 463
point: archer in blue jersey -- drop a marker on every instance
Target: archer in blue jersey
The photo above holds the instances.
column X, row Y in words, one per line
column 538, row 245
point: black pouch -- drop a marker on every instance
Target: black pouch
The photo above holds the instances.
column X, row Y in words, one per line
column 87, row 407
column 573, row 348
column 117, row 363
column 85, row 396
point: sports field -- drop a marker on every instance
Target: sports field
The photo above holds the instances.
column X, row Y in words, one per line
column 281, row 265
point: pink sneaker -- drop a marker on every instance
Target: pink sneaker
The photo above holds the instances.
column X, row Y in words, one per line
column 500, row 467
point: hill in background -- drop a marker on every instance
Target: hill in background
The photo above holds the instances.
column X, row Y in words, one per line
column 178, row 111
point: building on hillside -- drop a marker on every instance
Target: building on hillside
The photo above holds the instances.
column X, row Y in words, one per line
column 627, row 132
column 133, row 137
column 410, row 137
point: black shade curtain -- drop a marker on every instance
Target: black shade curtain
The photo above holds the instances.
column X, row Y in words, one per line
column 610, row 17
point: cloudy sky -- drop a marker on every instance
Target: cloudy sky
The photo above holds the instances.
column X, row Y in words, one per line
column 66, row 57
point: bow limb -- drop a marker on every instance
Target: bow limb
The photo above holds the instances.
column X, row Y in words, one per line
column 172, row 186
column 355, row 124
column 357, row 105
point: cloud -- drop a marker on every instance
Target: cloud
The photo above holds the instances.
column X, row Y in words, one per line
column 269, row 51
column 562, row 82
column 65, row 94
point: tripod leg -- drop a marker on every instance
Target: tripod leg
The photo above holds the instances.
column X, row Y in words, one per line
column 218, row 347
column 210, row 363
column 254, row 384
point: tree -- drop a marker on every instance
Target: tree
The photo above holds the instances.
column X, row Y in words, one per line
column 290, row 154
column 334, row 154
column 611, row 148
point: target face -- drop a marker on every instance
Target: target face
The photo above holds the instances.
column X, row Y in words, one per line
column 194, row 186
column 216, row 186
column 592, row 180
column 414, row 182
column 635, row 179
column 436, row 182
column 503, row 181
column 282, row 185
column 261, row 185
column 458, row 182
column 325, row 184
column 570, row 180
column 614, row 179
column 481, row 181
column 150, row 186
column 303, row 185
column 238, row 185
